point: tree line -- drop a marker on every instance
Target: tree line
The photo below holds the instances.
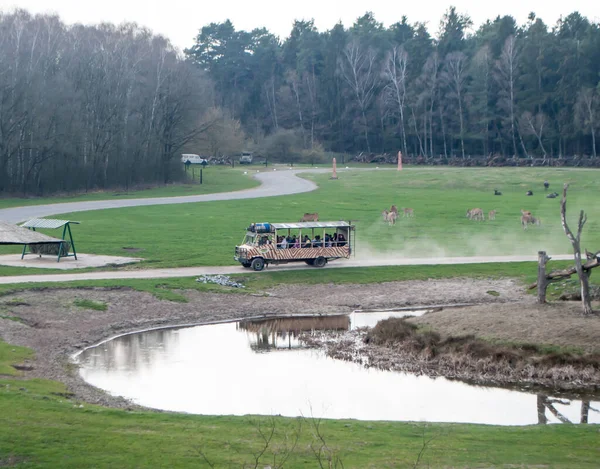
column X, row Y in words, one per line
column 85, row 107
column 517, row 91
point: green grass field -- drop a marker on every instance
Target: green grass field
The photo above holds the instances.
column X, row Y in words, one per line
column 206, row 233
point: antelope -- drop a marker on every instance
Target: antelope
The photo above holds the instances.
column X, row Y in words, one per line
column 394, row 209
column 392, row 217
column 529, row 220
column 492, row 215
column 310, row 217
column 408, row 212
column 475, row 214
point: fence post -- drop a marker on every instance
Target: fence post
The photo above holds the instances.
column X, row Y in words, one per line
column 200, row 175
column 542, row 281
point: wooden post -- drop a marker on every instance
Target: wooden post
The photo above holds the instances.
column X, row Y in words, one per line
column 542, row 281
column 200, row 175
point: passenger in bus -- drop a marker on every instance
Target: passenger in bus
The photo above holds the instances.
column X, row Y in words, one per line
column 317, row 242
column 328, row 240
column 284, row 242
column 334, row 240
column 296, row 244
column 341, row 240
column 306, row 242
column 290, row 241
column 263, row 240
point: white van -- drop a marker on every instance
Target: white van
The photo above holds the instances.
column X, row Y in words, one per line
column 192, row 158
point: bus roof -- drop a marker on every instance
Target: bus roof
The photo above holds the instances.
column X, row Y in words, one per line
column 311, row 224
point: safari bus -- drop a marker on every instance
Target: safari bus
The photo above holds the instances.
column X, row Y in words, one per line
column 314, row 243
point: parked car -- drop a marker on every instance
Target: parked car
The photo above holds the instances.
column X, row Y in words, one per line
column 246, row 157
column 193, row 158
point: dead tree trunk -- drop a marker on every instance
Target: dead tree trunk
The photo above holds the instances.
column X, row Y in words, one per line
column 542, row 281
column 575, row 241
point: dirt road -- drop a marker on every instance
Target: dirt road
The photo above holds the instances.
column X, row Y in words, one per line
column 237, row 269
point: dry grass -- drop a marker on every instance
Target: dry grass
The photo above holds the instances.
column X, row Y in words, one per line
column 467, row 356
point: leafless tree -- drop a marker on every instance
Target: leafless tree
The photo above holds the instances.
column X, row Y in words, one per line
column 482, row 74
column 586, row 109
column 506, row 77
column 358, row 69
column 396, row 76
column 576, row 242
column 454, row 76
column 534, row 125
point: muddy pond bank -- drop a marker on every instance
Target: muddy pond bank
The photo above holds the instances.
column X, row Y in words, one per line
column 52, row 325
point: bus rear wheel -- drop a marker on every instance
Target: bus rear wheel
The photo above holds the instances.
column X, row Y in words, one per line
column 258, row 264
column 320, row 262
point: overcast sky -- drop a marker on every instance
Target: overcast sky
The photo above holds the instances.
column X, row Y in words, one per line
column 180, row 20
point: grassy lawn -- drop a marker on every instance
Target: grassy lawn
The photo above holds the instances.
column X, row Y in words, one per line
column 215, row 179
column 206, row 233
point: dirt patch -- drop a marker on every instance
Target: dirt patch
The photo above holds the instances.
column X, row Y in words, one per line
column 55, row 328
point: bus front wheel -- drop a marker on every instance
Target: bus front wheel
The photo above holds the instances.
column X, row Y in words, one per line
column 320, row 262
column 258, row 264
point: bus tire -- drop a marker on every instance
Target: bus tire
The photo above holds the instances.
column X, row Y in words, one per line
column 320, row 262
column 258, row 264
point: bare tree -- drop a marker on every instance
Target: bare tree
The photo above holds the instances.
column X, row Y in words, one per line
column 357, row 68
column 395, row 76
column 481, row 91
column 455, row 77
column 585, row 112
column 534, row 125
column 576, row 242
column 506, row 77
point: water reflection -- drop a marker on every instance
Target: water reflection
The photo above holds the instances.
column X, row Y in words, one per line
column 554, row 405
column 282, row 333
column 216, row 370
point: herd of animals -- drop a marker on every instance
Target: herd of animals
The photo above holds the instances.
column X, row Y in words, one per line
column 391, row 216
column 527, row 218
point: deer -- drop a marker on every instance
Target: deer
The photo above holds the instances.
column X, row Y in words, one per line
column 475, row 214
column 492, row 215
column 310, row 217
column 408, row 212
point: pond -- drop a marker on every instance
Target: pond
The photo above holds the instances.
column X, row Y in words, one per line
column 260, row 367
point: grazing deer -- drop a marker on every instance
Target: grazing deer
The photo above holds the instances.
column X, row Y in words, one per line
column 394, row 209
column 384, row 214
column 392, row 217
column 529, row 220
column 475, row 214
column 525, row 213
column 310, row 217
column 408, row 212
column 492, row 215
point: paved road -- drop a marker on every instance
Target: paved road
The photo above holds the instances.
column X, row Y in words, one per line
column 237, row 269
column 273, row 183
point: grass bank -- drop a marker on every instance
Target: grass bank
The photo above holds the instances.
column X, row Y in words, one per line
column 42, row 427
column 169, row 288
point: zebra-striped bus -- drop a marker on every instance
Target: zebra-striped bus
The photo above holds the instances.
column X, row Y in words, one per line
column 314, row 243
